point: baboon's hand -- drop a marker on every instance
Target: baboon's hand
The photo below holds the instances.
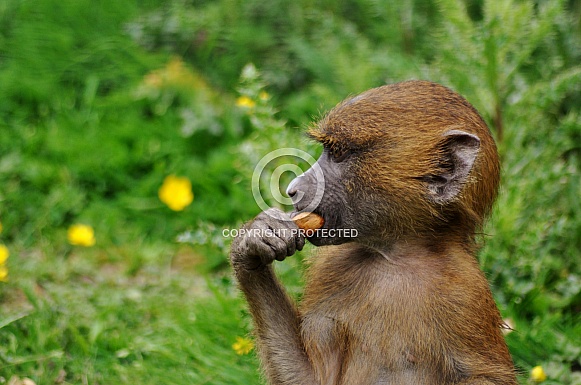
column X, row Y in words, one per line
column 271, row 235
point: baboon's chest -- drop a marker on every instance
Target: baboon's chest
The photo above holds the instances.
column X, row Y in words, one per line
column 355, row 352
column 366, row 324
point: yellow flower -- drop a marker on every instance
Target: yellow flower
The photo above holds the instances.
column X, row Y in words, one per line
column 264, row 96
column 538, row 374
column 243, row 345
column 245, row 102
column 81, row 235
column 174, row 74
column 176, row 192
column 175, row 70
column 3, row 273
column 153, row 80
column 4, row 254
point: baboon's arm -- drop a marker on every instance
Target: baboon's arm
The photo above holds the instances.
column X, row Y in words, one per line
column 276, row 319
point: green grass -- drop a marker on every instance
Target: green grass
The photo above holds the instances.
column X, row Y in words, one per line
column 92, row 317
column 98, row 322
column 88, row 132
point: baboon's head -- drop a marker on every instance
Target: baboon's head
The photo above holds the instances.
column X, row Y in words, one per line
column 412, row 159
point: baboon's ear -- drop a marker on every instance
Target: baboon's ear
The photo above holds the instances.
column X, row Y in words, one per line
column 457, row 152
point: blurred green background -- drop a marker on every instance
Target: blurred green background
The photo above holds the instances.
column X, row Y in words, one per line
column 101, row 100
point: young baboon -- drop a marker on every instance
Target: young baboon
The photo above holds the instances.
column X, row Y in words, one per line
column 412, row 170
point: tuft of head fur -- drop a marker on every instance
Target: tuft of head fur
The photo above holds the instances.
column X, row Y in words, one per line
column 398, row 137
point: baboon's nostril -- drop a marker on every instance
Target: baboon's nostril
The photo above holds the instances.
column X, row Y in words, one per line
column 292, row 190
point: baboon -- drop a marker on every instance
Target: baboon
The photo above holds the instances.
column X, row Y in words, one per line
column 412, row 169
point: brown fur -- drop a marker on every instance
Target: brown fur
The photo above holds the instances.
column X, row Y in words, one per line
column 409, row 304
column 420, row 294
column 402, row 125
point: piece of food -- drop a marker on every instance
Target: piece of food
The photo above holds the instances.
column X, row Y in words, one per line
column 308, row 221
